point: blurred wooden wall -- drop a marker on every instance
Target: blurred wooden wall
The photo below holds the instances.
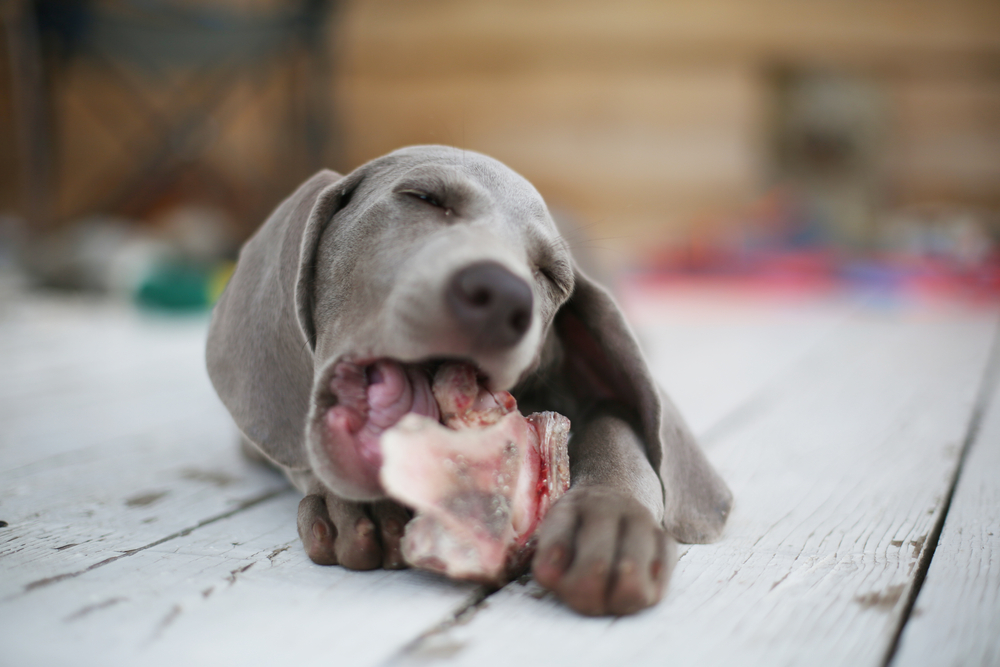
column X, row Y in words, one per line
column 646, row 117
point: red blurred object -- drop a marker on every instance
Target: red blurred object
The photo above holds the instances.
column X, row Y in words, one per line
column 772, row 247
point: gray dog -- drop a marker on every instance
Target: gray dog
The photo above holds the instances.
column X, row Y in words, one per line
column 433, row 253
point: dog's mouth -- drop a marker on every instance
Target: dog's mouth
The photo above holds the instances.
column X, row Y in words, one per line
column 365, row 398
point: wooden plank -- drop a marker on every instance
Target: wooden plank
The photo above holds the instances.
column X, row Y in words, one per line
column 717, row 354
column 149, row 604
column 95, row 393
column 956, row 619
column 117, row 532
column 838, row 480
column 80, row 372
column 74, row 512
column 130, row 511
column 113, row 438
column 237, row 591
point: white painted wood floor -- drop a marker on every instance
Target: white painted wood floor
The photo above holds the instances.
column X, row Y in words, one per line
column 861, row 441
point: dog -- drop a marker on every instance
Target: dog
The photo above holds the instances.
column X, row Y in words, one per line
column 431, row 253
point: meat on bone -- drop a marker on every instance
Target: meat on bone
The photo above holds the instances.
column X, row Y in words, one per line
column 480, row 483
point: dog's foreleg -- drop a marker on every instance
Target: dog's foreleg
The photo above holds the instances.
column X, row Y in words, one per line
column 602, row 549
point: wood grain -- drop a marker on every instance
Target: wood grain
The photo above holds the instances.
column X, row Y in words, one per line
column 112, row 440
column 237, row 591
column 956, row 620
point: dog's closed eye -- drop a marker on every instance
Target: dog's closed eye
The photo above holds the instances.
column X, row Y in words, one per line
column 554, row 276
column 554, row 268
column 427, row 197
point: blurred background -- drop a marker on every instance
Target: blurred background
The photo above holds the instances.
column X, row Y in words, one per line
column 777, row 142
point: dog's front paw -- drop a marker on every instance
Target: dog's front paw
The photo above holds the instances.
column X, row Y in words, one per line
column 602, row 552
column 359, row 536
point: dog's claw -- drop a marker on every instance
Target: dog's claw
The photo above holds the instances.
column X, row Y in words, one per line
column 316, row 531
column 602, row 553
column 359, row 536
column 392, row 520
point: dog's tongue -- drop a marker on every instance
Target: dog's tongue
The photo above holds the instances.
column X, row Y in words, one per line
column 480, row 483
column 367, row 406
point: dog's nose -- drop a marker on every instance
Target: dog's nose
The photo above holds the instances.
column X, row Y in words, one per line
column 491, row 303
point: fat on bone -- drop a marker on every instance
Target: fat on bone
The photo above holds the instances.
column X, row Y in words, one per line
column 480, row 484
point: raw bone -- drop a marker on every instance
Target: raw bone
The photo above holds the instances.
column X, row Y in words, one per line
column 480, row 485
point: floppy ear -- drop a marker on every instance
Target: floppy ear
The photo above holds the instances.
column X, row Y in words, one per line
column 261, row 339
column 603, row 363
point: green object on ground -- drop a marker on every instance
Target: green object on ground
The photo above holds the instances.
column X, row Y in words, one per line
column 177, row 286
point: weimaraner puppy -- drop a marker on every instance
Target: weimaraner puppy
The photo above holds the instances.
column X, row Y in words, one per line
column 433, row 253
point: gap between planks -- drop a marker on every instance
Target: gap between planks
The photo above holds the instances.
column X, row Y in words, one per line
column 241, row 507
column 987, row 387
column 463, row 614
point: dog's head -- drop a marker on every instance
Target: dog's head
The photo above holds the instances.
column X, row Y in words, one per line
column 433, row 252
column 426, row 254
